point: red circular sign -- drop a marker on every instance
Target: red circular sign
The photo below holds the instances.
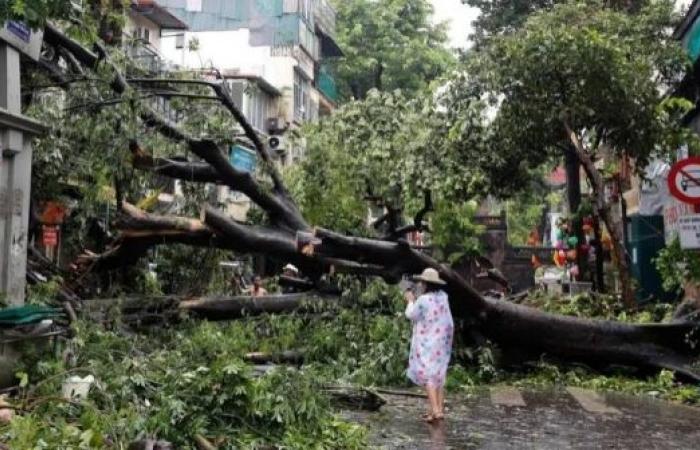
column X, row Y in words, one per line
column 684, row 180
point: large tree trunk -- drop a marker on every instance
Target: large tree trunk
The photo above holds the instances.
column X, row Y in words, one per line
column 573, row 195
column 603, row 209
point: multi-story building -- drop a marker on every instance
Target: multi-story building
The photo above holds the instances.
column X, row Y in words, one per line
column 273, row 55
column 275, row 50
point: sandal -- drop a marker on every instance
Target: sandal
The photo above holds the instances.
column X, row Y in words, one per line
column 427, row 417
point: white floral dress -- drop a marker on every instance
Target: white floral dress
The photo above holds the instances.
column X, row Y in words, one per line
column 431, row 343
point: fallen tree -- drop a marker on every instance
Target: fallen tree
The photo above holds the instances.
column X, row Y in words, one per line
column 288, row 237
column 238, row 307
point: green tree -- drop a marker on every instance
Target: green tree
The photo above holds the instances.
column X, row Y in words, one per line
column 502, row 16
column 389, row 44
column 498, row 17
column 35, row 12
column 389, row 145
column 584, row 77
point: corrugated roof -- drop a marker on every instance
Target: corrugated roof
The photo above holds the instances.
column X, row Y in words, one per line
column 151, row 10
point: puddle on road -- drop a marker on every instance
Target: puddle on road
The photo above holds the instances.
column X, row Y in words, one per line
column 551, row 419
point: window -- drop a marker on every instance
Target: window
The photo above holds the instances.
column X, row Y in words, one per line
column 301, row 97
column 306, row 10
column 180, row 41
column 257, row 107
column 146, row 35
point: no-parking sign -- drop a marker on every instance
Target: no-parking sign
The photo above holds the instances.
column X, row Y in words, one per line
column 684, row 180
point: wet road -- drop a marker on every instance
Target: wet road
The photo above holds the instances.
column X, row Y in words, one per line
column 508, row 418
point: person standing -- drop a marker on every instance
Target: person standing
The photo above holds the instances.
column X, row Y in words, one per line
column 258, row 290
column 431, row 341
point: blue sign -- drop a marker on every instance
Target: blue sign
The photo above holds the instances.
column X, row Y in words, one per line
column 243, row 159
column 20, row 30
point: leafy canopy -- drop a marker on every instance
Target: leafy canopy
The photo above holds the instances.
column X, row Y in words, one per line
column 395, row 145
column 602, row 72
column 389, row 44
column 502, row 16
column 35, row 12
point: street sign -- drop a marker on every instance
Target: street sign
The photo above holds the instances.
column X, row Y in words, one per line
column 50, row 236
column 684, row 180
column 689, row 231
column 23, row 38
column 243, row 159
column 674, row 210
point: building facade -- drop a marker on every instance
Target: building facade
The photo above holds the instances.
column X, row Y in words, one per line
column 283, row 44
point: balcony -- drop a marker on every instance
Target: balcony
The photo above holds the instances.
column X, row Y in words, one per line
column 324, row 14
column 325, row 83
column 144, row 55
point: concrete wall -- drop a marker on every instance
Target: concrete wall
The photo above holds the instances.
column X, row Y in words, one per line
column 136, row 22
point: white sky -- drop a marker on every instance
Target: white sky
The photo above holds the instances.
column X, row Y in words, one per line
column 459, row 17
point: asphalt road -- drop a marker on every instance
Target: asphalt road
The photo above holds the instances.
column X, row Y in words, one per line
column 509, row 418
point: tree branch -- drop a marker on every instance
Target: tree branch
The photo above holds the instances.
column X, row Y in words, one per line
column 226, row 100
column 197, row 172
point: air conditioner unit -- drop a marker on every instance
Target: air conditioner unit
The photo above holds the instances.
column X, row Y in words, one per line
column 276, row 125
column 278, row 144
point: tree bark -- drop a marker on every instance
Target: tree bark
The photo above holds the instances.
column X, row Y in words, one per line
column 603, row 209
column 573, row 191
column 292, row 357
column 228, row 308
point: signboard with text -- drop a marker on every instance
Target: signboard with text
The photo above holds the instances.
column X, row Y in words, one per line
column 23, row 38
column 243, row 159
column 673, row 211
column 689, row 231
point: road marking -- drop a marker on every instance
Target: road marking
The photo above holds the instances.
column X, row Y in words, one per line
column 506, row 396
column 591, row 401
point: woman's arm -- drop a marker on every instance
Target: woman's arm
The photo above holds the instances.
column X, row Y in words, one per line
column 414, row 308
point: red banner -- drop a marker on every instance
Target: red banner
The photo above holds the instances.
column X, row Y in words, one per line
column 50, row 236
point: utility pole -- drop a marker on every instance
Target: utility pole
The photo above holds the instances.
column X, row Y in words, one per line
column 16, row 132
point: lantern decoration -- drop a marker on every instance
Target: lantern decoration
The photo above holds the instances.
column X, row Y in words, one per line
column 560, row 258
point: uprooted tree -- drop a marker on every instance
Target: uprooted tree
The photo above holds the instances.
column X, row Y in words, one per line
column 289, row 237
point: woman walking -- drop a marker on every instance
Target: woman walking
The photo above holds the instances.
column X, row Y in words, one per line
column 431, row 342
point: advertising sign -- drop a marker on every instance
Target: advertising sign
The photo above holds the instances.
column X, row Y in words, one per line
column 49, row 236
column 23, row 38
column 243, row 159
column 689, row 231
column 673, row 211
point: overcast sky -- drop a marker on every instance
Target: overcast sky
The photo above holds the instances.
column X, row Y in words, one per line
column 459, row 17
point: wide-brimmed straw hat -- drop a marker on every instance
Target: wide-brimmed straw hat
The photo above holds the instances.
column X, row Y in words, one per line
column 431, row 276
column 291, row 267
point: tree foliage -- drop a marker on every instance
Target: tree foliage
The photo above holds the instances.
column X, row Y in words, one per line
column 502, row 16
column 498, row 17
column 389, row 44
column 35, row 12
column 391, row 145
column 604, row 77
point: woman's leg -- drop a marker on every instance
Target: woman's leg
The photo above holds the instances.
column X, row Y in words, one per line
column 441, row 399
column 433, row 399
